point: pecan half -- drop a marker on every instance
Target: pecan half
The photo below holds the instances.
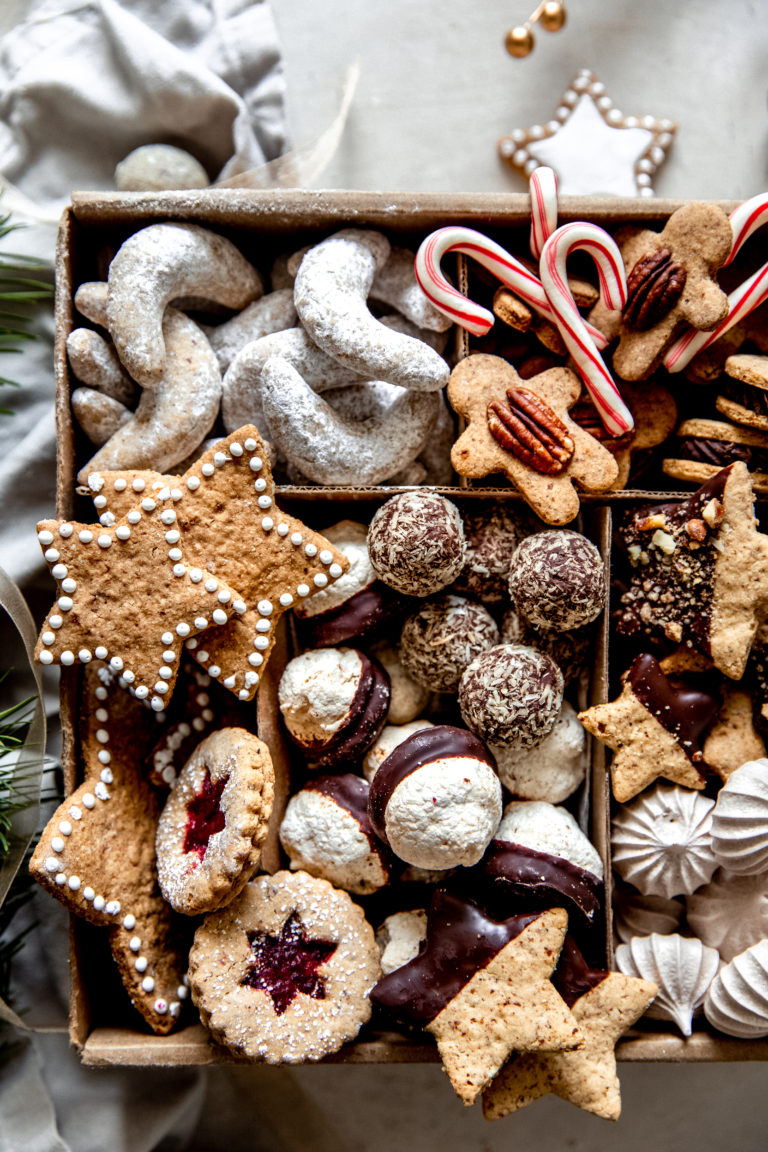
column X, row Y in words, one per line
column 654, row 286
column 531, row 431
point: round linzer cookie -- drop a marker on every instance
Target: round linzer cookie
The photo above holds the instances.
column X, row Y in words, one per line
column 213, row 826
column 283, row 974
column 703, row 447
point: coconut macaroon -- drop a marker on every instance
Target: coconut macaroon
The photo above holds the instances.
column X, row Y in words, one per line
column 391, row 735
column 551, row 770
column 327, row 832
column 546, row 828
column 416, row 543
column 436, row 799
column 334, row 702
column 400, row 938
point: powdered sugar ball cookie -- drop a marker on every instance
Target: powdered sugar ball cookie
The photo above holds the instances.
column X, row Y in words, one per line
column 492, row 535
column 511, row 695
column 436, row 799
column 416, row 543
column 557, row 580
column 327, row 832
column 400, row 938
column 283, row 974
column 334, row 702
column 551, row 770
column 158, row 167
column 215, row 820
column 442, row 638
column 547, row 828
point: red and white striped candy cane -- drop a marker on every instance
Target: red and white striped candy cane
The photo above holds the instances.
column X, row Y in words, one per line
column 613, row 288
column 543, row 186
column 505, row 267
column 745, row 220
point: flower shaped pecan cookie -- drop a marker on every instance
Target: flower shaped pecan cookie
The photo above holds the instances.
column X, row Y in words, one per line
column 670, row 283
column 522, row 428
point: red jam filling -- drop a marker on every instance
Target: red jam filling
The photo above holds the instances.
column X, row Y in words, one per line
column 204, row 815
column 287, row 964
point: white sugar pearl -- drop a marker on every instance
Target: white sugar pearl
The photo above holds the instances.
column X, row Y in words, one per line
column 156, row 703
column 321, row 580
column 172, row 536
column 120, row 484
column 220, row 458
column 167, row 516
column 197, row 724
column 228, row 683
column 218, row 616
column 260, row 484
column 103, row 756
column 112, row 908
column 235, row 448
column 138, row 484
column 161, row 687
column 267, row 524
column 335, row 571
column 148, row 984
column 100, row 652
column 129, row 923
column 164, row 493
column 161, row 1007
column 52, row 864
column 243, row 694
column 65, row 531
column 61, row 878
column 104, row 541
column 65, row 603
column 140, row 964
column 255, row 659
column 46, row 657
column 239, row 606
column 261, row 642
column 193, row 483
column 195, row 575
column 55, row 621
column 224, row 596
column 84, row 537
column 74, row 883
column 202, row 656
column 303, row 589
column 89, row 800
column 169, row 656
column 263, row 625
column 134, row 944
column 183, row 629
column 148, row 504
column 264, row 501
column 57, row 844
column 207, row 469
column 179, row 570
column 129, row 677
column 214, row 670
column 116, row 664
column 69, row 585
column 296, row 539
column 286, row 599
column 59, row 571
column 106, row 775
column 48, row 637
column 102, row 736
column 134, row 516
column 249, row 444
column 165, row 672
column 67, row 657
column 45, row 537
column 98, row 903
column 264, row 608
column 310, row 550
column 325, row 556
column 201, row 622
column 65, row 828
column 75, row 813
column 191, row 645
column 174, row 554
column 84, row 656
column 282, row 529
column 101, row 715
column 256, row 464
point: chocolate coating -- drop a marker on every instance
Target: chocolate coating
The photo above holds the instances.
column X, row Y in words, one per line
column 460, row 941
column 512, row 869
column 492, row 536
column 573, row 978
column 511, row 695
column 367, row 716
column 351, row 793
column 416, row 543
column 557, row 581
column 359, row 618
column 719, row 453
column 683, row 711
column 441, row 639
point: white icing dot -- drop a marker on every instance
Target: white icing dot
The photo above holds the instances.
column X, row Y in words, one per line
column 207, row 469
column 167, row 516
column 74, row 883
column 84, row 537
column 48, row 637
column 296, row 539
column 59, row 571
column 129, row 677
column 55, row 621
column 148, row 504
column 112, row 908
column 107, row 519
column 129, row 923
column 214, row 670
column 102, row 736
column 169, row 656
column 251, row 678
column 192, row 644
column 264, row 608
column 141, row 692
column 101, row 791
column 264, row 501
column 197, row 724
column 88, row 893
column 57, row 844
column 101, row 692
column 89, row 800
column 45, row 537
column 255, row 659
column 164, row 493
column 174, row 554
column 321, row 580
column 224, row 596
column 256, row 464
column 46, row 657
column 65, row 828
column 201, row 622
column 101, row 715
column 179, row 570
column 303, row 589
column 99, row 502
column 260, row 484
column 53, row 554
column 98, row 903
column 267, row 523
column 67, row 657
column 243, row 694
column 166, row 638
column 249, row 444
column 202, row 656
column 220, row 458
column 219, row 616
column 75, row 812
column 172, row 536
column 140, row 964
column 134, row 516
column 228, row 683
column 261, row 642
column 156, row 703
column 325, row 556
column 106, row 775
column 134, row 944
column 263, row 625
column 286, row 599
column 161, row 687
column 120, row 484
column 69, row 585
column 52, row 864
column 164, row 672
column 239, row 606
column 335, row 571
column 103, row 756
column 138, row 484
column 65, row 531
column 193, row 483
column 61, row 878
column 84, row 656
column 310, row 550
column 104, row 541
column 148, row 984
column 100, row 652
column 183, row 629
column 282, row 529
column 116, row 664
column 195, row 575
column 65, row 603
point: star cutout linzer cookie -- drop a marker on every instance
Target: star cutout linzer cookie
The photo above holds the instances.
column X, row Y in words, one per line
column 291, row 950
column 482, row 988
column 699, row 571
column 655, row 729
column 522, row 428
column 605, row 1004
column 671, row 283
column 226, row 526
column 97, row 853
column 591, row 145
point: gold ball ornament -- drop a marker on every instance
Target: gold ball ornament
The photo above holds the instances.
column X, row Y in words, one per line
column 519, row 41
column 552, row 16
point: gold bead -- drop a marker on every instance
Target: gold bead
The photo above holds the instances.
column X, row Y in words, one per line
column 552, row 16
column 519, row 41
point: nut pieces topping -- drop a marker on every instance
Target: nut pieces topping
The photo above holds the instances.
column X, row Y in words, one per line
column 654, row 286
column 530, row 430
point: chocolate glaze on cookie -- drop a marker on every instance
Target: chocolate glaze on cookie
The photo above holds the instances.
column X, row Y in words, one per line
column 349, row 792
column 359, row 618
column 440, row 742
column 512, row 870
column 720, row 453
column 573, row 977
column 684, row 712
column 461, row 940
column 367, row 716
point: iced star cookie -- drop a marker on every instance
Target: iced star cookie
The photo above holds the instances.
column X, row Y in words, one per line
column 699, row 571
column 522, row 428
column 214, row 823
column 97, row 852
column 283, row 973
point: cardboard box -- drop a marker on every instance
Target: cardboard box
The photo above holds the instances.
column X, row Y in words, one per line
column 103, row 1026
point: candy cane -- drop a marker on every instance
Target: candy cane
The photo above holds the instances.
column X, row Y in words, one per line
column 506, row 268
column 613, row 287
column 745, row 220
column 543, row 186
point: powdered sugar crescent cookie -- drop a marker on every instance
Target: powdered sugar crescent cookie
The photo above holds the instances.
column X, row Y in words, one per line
column 283, row 973
column 213, row 825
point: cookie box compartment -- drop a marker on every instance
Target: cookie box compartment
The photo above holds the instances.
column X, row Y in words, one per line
column 102, row 1025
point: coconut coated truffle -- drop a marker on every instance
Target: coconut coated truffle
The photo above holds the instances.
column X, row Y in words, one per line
column 416, row 543
column 439, row 641
column 492, row 539
column 551, row 770
column 511, row 695
column 436, row 799
column 557, row 580
column 569, row 650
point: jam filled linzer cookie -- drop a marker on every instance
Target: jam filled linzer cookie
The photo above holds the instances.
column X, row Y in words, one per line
column 522, row 428
column 604, row 1004
column 700, row 571
column 97, row 852
column 215, row 820
column 283, row 973
column 654, row 728
column 481, row 987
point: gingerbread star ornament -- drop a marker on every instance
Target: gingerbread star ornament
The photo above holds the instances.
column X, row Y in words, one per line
column 522, row 428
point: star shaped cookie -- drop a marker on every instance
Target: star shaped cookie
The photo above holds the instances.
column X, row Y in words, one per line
column 479, row 381
column 482, row 988
column 604, row 1004
column 670, row 284
column 227, row 527
column 97, row 853
column 591, row 145
column 654, row 729
column 699, row 571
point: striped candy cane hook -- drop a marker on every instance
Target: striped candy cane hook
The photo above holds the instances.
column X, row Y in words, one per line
column 543, row 186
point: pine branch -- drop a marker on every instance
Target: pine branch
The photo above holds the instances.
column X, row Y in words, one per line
column 20, row 290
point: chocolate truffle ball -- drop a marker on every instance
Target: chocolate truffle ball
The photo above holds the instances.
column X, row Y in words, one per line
column 439, row 641
column 437, row 799
column 327, row 832
column 569, row 650
column 553, row 769
column 493, row 535
column 416, row 543
column 511, row 695
column 557, row 580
